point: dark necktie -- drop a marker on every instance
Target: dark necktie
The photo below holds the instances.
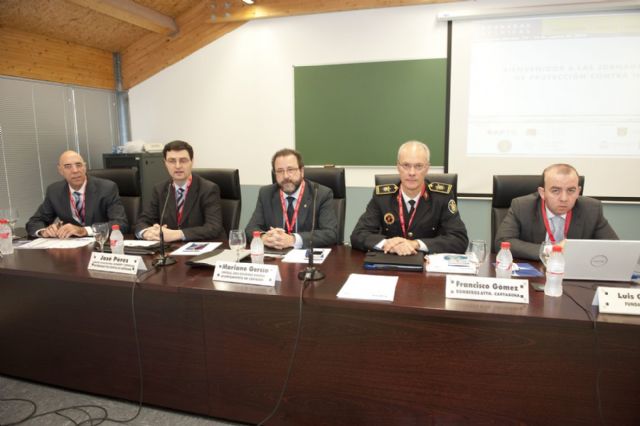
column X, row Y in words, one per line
column 180, row 199
column 77, row 197
column 291, row 200
column 412, row 203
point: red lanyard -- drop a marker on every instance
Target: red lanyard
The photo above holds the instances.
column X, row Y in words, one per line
column 78, row 214
column 181, row 209
column 567, row 221
column 401, row 211
column 290, row 226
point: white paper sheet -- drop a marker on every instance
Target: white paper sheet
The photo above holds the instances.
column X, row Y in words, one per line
column 369, row 287
column 300, row 256
column 59, row 243
column 449, row 263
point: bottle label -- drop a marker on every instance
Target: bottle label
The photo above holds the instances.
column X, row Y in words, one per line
column 5, row 235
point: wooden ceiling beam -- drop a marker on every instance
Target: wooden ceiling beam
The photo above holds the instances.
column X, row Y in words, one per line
column 223, row 11
column 133, row 13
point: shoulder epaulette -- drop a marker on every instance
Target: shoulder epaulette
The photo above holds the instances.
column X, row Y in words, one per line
column 389, row 188
column 444, row 188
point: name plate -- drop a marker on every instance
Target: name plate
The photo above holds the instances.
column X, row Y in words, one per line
column 118, row 263
column 487, row 288
column 246, row 273
column 615, row 300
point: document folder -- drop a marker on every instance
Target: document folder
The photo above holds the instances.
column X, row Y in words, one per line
column 392, row 262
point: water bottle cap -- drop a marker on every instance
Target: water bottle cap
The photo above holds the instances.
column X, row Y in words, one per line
column 505, row 245
column 115, row 227
column 256, row 234
column 557, row 248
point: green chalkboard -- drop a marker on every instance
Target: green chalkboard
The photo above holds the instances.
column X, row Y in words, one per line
column 359, row 114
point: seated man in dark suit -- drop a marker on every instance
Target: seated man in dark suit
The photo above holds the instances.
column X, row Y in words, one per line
column 284, row 213
column 412, row 216
column 191, row 204
column 72, row 205
column 555, row 212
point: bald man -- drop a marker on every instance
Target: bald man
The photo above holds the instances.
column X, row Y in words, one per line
column 413, row 215
column 72, row 205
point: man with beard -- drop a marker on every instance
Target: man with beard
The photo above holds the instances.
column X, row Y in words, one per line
column 283, row 212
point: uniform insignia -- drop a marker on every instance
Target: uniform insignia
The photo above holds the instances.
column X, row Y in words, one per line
column 410, row 235
column 443, row 188
column 389, row 188
column 453, row 207
column 389, row 218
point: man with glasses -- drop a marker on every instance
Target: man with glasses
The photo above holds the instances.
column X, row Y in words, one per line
column 187, row 207
column 284, row 213
column 72, row 205
column 414, row 215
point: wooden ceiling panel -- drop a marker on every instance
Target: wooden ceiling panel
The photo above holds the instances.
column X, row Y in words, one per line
column 66, row 21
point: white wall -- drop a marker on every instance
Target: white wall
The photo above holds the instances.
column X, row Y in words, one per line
column 233, row 99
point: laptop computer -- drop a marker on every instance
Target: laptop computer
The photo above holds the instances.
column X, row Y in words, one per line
column 600, row 260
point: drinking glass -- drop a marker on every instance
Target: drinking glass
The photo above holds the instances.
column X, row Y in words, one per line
column 545, row 251
column 12, row 217
column 479, row 249
column 237, row 241
column 100, row 233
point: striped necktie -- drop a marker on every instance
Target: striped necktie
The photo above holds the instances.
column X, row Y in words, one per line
column 77, row 197
column 180, row 199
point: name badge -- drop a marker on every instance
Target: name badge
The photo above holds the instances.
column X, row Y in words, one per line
column 246, row 273
column 486, row 288
column 118, row 263
column 615, row 300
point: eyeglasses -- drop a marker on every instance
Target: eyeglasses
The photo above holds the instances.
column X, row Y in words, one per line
column 70, row 166
column 288, row 171
column 181, row 161
column 417, row 167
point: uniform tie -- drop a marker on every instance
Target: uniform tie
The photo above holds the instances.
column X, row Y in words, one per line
column 558, row 228
column 77, row 197
column 412, row 203
column 290, row 199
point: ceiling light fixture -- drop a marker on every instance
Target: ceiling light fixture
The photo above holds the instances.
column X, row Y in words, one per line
column 248, row 1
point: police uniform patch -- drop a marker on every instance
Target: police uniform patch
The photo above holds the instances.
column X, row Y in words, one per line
column 453, row 207
column 443, row 188
column 389, row 188
column 389, row 218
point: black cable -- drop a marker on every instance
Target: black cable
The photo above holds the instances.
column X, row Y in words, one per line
column 596, row 352
column 293, row 356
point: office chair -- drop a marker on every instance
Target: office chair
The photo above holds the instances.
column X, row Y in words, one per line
column 127, row 181
column 228, row 180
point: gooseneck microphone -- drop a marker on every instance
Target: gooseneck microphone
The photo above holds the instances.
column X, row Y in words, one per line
column 311, row 273
column 163, row 259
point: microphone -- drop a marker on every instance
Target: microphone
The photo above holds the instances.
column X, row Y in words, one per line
column 163, row 259
column 311, row 273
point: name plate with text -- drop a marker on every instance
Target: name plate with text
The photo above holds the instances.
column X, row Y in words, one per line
column 118, row 263
column 246, row 273
column 487, row 288
column 615, row 300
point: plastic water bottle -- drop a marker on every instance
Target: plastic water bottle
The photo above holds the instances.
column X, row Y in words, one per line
column 555, row 273
column 6, row 237
column 257, row 248
column 504, row 261
column 116, row 241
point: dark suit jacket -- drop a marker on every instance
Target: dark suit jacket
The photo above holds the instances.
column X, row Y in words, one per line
column 437, row 223
column 523, row 225
column 202, row 214
column 102, row 204
column 268, row 213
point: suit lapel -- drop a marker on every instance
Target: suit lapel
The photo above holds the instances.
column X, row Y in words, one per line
column 66, row 200
column 539, row 230
column 304, row 212
column 577, row 222
column 276, row 207
column 89, row 201
column 190, row 202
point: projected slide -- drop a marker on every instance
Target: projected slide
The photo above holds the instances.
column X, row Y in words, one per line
column 562, row 86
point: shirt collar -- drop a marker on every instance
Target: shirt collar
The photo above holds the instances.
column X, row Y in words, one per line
column 550, row 215
column 82, row 189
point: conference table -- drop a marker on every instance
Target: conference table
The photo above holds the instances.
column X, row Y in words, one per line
column 223, row 350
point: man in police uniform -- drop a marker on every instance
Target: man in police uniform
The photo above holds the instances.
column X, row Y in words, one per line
column 413, row 216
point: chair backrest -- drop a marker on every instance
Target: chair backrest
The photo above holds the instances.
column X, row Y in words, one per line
column 449, row 178
column 230, row 194
column 128, row 182
column 333, row 178
column 505, row 189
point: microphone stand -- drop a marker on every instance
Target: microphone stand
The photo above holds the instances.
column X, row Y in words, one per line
column 311, row 273
column 163, row 259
